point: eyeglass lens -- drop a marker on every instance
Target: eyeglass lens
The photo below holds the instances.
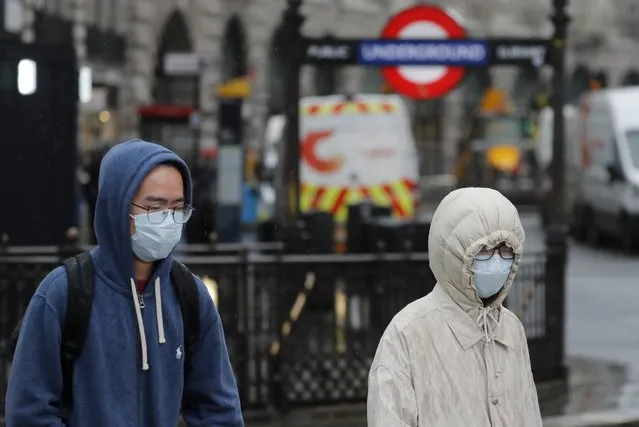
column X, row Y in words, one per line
column 504, row 251
column 180, row 215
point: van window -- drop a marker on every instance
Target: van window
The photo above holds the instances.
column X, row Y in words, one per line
column 632, row 137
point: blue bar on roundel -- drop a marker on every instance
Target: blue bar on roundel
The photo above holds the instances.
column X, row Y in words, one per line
column 423, row 52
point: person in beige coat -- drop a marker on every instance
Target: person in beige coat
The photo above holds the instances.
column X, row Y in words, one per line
column 457, row 357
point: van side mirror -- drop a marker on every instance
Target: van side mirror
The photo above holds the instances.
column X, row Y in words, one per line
column 615, row 173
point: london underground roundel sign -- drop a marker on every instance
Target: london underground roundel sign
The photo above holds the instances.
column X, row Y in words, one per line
column 423, row 82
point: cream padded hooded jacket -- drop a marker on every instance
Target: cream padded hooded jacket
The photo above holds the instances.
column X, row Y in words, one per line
column 445, row 360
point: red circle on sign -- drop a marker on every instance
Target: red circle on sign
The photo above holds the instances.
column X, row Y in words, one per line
column 453, row 75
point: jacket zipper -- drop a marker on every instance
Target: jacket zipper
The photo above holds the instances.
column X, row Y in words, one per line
column 141, row 301
column 139, row 417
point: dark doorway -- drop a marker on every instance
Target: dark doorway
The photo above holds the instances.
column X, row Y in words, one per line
column 234, row 66
column 631, row 78
column 234, row 50
column 578, row 84
column 599, row 80
column 174, row 90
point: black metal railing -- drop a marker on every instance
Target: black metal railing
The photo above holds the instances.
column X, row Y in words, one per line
column 303, row 329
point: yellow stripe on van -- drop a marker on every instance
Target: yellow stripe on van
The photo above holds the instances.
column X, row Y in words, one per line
column 379, row 196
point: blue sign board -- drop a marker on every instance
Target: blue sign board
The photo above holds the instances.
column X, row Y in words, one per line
column 463, row 53
column 445, row 52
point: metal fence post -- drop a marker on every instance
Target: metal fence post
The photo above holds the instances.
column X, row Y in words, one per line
column 276, row 375
column 555, row 299
column 244, row 330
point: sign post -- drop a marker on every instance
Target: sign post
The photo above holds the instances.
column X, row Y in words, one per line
column 560, row 18
column 288, row 203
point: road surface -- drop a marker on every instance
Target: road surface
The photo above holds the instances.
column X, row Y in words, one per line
column 602, row 322
column 603, row 315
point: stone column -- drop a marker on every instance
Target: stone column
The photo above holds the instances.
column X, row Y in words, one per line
column 209, row 28
column 140, row 60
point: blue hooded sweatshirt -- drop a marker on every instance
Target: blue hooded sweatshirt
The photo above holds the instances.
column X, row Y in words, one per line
column 111, row 384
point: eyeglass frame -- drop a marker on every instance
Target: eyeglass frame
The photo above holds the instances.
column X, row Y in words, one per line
column 167, row 210
column 496, row 249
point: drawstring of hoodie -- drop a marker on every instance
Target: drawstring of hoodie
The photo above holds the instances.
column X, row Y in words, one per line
column 138, row 315
column 483, row 319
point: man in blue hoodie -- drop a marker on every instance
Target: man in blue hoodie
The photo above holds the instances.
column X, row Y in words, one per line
column 131, row 370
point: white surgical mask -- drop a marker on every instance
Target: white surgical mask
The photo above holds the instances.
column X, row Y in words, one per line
column 490, row 275
column 154, row 242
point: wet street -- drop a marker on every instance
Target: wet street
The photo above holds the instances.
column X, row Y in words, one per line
column 602, row 324
column 602, row 305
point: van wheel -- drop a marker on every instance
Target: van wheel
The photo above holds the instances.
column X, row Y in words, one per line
column 628, row 243
column 578, row 226
column 592, row 235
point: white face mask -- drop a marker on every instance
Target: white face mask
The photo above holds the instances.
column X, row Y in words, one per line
column 490, row 275
column 154, row 242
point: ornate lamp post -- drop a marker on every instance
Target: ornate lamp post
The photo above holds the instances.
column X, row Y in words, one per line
column 292, row 25
column 558, row 214
column 557, row 231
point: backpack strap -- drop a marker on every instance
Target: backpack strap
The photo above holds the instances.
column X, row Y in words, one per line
column 189, row 297
column 80, row 278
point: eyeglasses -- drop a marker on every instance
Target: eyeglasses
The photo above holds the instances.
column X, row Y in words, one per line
column 157, row 215
column 504, row 251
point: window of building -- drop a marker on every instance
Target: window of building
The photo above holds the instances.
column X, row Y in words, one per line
column 234, row 51
column 174, row 90
column 631, row 78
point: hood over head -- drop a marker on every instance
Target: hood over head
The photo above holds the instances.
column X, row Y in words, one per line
column 467, row 220
column 122, row 171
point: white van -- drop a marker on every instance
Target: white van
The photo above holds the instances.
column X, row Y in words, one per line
column 351, row 150
column 609, row 197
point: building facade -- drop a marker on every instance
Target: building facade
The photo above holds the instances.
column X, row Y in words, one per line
column 124, row 43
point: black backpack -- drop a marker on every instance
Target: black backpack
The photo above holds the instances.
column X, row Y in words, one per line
column 80, row 274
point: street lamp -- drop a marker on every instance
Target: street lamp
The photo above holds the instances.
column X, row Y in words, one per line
column 289, row 200
column 557, row 232
column 556, row 201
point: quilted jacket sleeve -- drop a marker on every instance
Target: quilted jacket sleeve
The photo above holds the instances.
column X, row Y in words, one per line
column 391, row 395
column 391, row 399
